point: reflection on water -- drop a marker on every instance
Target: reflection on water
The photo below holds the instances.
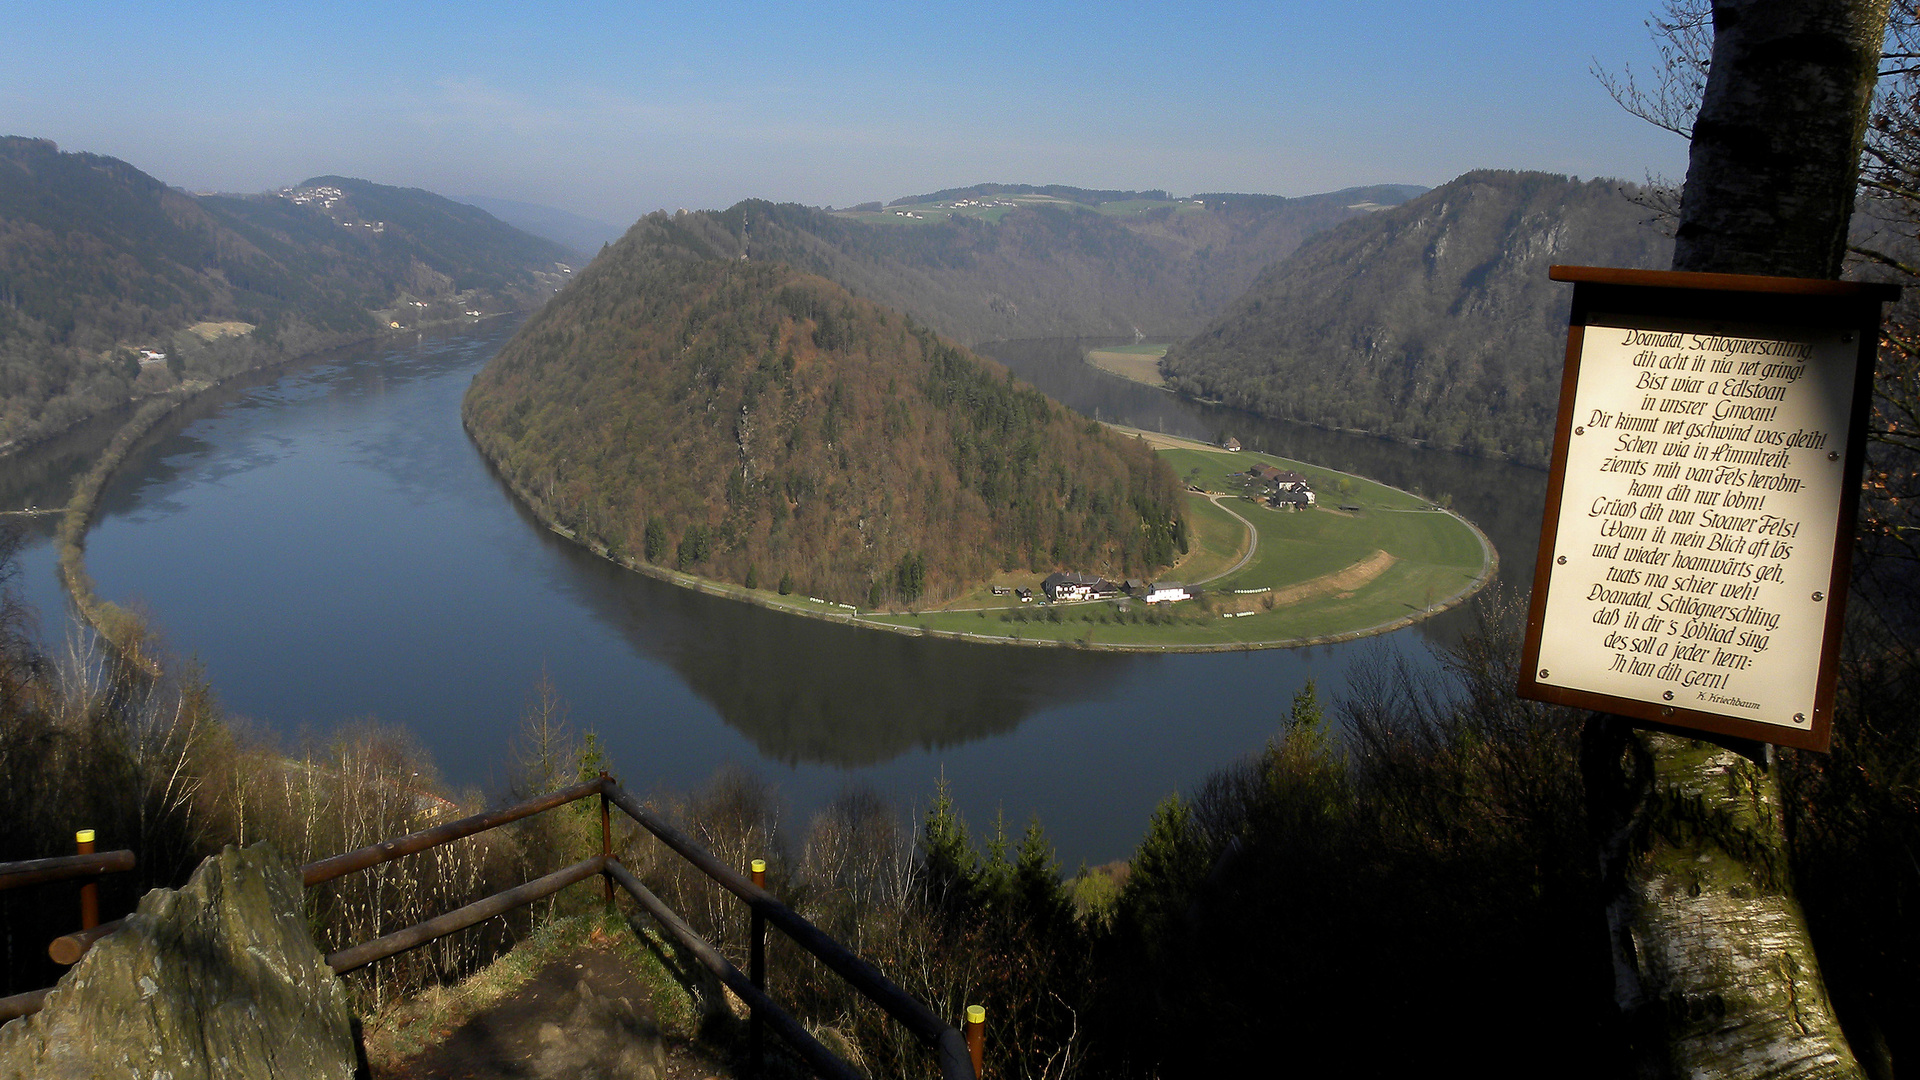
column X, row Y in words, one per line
column 43, row 475
column 812, row 691
column 326, row 541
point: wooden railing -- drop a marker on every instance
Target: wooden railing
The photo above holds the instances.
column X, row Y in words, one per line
column 954, row 1057
column 87, row 863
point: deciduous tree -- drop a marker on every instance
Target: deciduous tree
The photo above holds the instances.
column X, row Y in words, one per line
column 1714, row 965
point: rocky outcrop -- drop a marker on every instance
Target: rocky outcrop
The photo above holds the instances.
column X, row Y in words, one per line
column 219, row 978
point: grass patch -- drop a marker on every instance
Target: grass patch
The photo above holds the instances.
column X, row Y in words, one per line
column 1317, row 574
column 214, row 331
column 1129, row 207
column 1215, row 470
column 1215, row 541
column 1303, row 581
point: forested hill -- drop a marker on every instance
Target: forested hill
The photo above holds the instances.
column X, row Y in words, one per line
column 748, row 422
column 99, row 260
column 1433, row 320
column 1045, row 266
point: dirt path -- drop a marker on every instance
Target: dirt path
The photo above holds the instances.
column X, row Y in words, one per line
column 1253, row 537
column 582, row 1016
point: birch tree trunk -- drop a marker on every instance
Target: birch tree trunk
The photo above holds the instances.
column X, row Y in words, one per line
column 1713, row 964
column 1776, row 148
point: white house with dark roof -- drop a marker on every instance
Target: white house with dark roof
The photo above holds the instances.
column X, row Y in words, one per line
column 1062, row 587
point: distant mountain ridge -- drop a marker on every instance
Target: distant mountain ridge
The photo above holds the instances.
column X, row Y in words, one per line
column 99, row 260
column 1048, row 270
column 1058, row 191
column 583, row 235
column 749, row 422
column 1432, row 320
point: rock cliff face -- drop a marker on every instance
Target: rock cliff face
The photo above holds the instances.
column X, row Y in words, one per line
column 219, row 978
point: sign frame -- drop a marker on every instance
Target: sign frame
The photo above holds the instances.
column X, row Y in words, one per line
column 1711, row 303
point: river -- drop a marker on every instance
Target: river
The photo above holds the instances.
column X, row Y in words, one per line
column 325, row 541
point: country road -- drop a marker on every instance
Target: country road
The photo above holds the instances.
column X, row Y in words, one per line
column 1253, row 537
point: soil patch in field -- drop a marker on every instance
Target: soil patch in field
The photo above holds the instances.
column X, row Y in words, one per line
column 1342, row 582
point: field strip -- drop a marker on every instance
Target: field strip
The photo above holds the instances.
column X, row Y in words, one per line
column 1345, row 580
column 1136, row 367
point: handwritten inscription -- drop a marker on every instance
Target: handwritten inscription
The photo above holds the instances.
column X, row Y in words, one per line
column 1698, row 519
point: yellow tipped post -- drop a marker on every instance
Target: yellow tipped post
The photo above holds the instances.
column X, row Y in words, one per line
column 757, row 961
column 977, row 1035
column 90, row 892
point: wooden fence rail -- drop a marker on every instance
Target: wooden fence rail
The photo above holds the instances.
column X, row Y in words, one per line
column 88, row 863
column 15, row 875
column 942, row 1039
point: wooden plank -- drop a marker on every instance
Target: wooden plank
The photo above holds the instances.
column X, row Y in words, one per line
column 335, row 866
column 929, row 1029
column 823, row 1061
column 1682, row 279
column 499, row 903
column 15, row 875
column 23, row 1004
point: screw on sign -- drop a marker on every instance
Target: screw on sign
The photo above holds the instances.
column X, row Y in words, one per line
column 1705, row 463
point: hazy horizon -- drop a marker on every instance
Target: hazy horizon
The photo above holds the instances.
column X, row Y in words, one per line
column 613, row 111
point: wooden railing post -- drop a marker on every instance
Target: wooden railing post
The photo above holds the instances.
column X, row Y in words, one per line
column 606, row 837
column 977, row 1036
column 90, row 892
column 757, row 961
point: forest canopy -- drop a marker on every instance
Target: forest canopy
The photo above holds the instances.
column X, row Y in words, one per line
column 747, row 422
column 1433, row 320
column 100, row 261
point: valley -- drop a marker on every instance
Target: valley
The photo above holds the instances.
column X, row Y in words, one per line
column 350, row 481
column 1329, row 574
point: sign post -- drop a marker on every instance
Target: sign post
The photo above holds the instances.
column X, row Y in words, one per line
column 1700, row 514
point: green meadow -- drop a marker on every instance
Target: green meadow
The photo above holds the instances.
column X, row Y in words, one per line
column 1367, row 559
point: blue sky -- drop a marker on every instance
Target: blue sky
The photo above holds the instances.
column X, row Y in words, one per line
column 613, row 110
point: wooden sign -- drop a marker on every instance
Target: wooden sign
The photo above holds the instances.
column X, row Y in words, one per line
column 1700, row 516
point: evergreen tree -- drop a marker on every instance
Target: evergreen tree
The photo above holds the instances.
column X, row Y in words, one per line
column 947, row 854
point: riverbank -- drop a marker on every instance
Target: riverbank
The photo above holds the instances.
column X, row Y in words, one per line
column 1140, row 364
column 1328, row 575
column 124, row 632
